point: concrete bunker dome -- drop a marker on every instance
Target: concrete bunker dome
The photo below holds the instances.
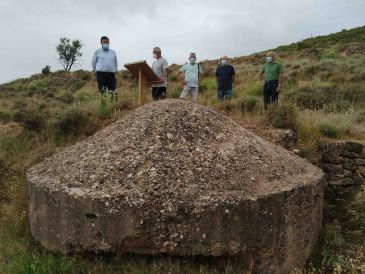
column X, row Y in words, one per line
column 175, row 177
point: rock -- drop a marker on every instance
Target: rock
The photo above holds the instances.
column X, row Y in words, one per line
column 151, row 188
column 354, row 147
column 332, row 169
column 342, row 182
column 332, row 158
column 347, row 173
column 361, row 170
column 359, row 162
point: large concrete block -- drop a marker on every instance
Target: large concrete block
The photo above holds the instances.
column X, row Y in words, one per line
column 175, row 177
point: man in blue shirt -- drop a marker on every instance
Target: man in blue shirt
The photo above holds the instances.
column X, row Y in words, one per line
column 189, row 75
column 105, row 65
column 225, row 75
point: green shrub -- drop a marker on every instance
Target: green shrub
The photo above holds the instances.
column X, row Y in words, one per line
column 208, row 84
column 83, row 95
column 37, row 85
column 105, row 110
column 254, row 90
column 172, row 77
column 322, row 97
column 3, row 166
column 353, row 93
column 36, row 264
column 124, row 104
column 248, row 104
column 328, row 130
column 5, row 116
column 303, row 45
column 329, row 54
column 72, row 122
column 32, row 120
column 83, row 75
column 67, row 97
column 310, row 70
column 175, row 93
column 282, row 116
column 76, row 84
column 14, row 146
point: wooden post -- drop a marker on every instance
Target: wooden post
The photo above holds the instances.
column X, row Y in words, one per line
column 143, row 89
column 146, row 77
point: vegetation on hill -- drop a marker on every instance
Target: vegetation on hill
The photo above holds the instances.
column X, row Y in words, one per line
column 323, row 97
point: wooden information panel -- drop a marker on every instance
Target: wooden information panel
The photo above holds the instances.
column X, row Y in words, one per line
column 146, row 77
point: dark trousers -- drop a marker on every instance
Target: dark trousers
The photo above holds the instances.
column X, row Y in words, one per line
column 270, row 94
column 106, row 80
column 158, row 93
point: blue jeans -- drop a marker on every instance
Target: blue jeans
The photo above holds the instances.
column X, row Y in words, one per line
column 224, row 94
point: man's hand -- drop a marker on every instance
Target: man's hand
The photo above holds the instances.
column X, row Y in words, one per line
column 278, row 90
column 162, row 80
column 184, row 83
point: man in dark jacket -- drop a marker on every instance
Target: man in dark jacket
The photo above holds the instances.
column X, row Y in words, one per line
column 225, row 76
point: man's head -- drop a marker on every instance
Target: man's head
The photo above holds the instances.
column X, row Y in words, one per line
column 224, row 60
column 270, row 56
column 104, row 40
column 156, row 53
column 192, row 58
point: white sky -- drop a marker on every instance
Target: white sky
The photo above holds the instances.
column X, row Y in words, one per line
column 30, row 30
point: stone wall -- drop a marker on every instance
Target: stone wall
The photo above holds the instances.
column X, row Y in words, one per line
column 343, row 164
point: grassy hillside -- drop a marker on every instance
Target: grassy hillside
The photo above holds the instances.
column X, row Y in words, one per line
column 323, row 97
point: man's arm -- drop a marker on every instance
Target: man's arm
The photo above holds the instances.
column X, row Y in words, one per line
column 165, row 70
column 200, row 72
column 233, row 75
column 93, row 62
column 261, row 76
column 116, row 63
column 281, row 80
column 181, row 76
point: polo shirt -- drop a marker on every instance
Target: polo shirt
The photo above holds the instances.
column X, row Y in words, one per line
column 272, row 71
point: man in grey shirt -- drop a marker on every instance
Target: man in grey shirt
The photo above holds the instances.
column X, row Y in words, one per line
column 105, row 65
column 160, row 68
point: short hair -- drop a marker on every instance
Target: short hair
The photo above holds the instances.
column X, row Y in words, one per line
column 157, row 49
column 104, row 38
column 192, row 54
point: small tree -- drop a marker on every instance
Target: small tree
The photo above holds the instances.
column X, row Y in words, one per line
column 69, row 52
column 46, row 70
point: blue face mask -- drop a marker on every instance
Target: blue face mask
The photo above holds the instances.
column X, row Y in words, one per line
column 192, row 61
column 105, row 46
column 269, row 59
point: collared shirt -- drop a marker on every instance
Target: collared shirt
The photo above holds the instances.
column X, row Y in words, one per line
column 272, row 71
column 225, row 75
column 105, row 61
column 158, row 68
column 191, row 73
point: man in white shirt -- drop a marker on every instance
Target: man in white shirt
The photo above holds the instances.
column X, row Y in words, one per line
column 160, row 68
column 105, row 65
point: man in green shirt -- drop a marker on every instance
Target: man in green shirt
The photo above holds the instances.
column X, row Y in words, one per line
column 273, row 73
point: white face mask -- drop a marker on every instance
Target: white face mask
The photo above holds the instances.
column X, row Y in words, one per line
column 269, row 59
column 224, row 62
column 154, row 56
column 192, row 60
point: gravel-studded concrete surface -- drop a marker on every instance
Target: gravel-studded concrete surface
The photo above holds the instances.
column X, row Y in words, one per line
column 175, row 177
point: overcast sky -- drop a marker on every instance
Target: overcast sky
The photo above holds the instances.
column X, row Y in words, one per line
column 30, row 30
